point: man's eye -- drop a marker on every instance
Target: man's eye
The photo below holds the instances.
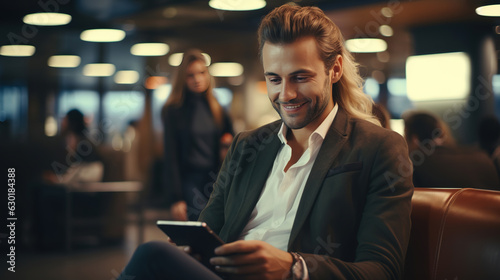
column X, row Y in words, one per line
column 300, row 78
column 274, row 80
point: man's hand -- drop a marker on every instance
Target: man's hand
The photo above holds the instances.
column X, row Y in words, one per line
column 252, row 259
column 178, row 211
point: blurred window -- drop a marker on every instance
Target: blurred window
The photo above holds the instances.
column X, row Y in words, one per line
column 121, row 107
column 160, row 95
column 496, row 84
column 398, row 100
column 224, row 96
column 13, row 111
column 372, row 88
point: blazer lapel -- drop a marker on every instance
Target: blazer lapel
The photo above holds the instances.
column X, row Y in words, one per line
column 253, row 184
column 334, row 140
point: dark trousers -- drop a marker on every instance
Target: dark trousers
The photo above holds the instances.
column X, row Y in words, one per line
column 160, row 260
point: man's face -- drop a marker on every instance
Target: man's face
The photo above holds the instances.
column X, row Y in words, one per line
column 298, row 86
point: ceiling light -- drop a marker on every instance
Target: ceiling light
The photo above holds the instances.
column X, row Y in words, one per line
column 226, row 69
column 489, row 10
column 150, row 49
column 387, row 12
column 443, row 76
column 17, row 50
column 386, row 30
column 237, row 5
column 126, row 77
column 99, row 70
column 169, row 12
column 102, row 35
column 64, row 61
column 366, row 45
column 47, row 19
column 175, row 59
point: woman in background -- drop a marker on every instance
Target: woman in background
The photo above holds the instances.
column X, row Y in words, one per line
column 194, row 124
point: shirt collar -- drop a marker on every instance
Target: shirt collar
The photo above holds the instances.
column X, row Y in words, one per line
column 321, row 130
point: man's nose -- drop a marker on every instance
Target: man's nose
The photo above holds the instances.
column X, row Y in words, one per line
column 288, row 92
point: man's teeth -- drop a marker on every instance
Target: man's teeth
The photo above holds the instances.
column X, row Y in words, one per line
column 293, row 107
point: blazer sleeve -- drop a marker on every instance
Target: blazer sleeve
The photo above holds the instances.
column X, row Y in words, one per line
column 384, row 227
column 173, row 184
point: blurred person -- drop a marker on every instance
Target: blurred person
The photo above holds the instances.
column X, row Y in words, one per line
column 439, row 162
column 83, row 163
column 194, row 123
column 489, row 134
column 489, row 139
column 304, row 197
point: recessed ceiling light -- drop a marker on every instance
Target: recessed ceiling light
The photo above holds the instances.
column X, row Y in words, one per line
column 99, row 70
column 366, row 45
column 387, row 12
column 47, row 19
column 150, row 49
column 64, row 61
column 226, row 69
column 17, row 50
column 126, row 77
column 102, row 35
column 386, row 30
column 175, row 59
column 237, row 5
column 489, row 10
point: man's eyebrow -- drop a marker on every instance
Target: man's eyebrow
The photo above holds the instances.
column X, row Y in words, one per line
column 300, row 71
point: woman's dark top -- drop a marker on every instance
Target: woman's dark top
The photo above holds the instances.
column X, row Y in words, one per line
column 191, row 141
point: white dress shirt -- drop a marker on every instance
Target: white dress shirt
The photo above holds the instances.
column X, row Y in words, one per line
column 273, row 216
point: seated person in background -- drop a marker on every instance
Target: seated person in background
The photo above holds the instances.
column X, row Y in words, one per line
column 489, row 134
column 438, row 162
column 489, row 139
column 83, row 163
column 309, row 196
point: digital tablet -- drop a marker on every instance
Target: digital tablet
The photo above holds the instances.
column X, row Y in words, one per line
column 197, row 235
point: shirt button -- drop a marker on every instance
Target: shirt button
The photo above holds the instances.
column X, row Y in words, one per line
column 276, row 223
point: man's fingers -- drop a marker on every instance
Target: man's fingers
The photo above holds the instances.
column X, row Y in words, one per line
column 237, row 247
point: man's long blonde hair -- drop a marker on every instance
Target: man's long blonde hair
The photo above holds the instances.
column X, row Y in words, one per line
column 288, row 23
column 179, row 87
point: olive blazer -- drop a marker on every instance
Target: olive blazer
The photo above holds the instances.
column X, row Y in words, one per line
column 353, row 220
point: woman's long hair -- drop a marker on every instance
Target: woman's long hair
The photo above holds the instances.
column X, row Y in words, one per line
column 179, row 88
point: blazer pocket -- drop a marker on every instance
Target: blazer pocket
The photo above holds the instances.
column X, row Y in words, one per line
column 345, row 168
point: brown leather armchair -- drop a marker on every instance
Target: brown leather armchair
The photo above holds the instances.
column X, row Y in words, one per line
column 455, row 235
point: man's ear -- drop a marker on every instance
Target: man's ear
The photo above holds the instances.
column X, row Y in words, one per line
column 337, row 69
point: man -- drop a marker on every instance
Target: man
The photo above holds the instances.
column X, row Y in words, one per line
column 324, row 193
column 439, row 162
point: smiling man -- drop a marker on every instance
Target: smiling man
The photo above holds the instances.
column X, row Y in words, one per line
column 319, row 194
